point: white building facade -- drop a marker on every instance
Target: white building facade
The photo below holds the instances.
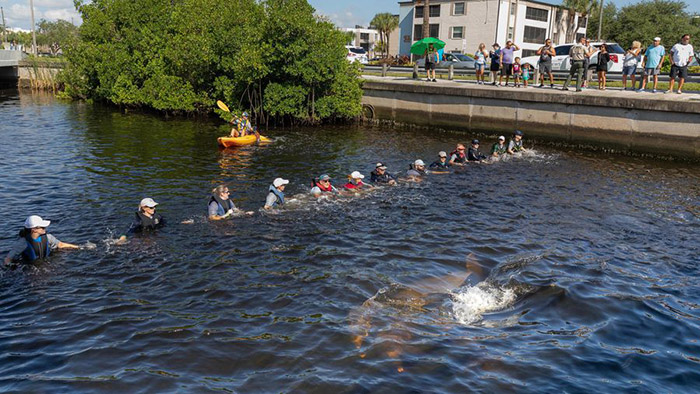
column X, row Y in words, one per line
column 464, row 24
column 364, row 38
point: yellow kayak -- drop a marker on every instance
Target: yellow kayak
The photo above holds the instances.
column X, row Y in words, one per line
column 228, row 142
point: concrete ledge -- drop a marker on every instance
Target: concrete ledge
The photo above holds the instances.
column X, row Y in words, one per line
column 636, row 122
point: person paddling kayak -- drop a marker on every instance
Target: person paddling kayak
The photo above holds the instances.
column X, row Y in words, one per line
column 34, row 243
column 241, row 126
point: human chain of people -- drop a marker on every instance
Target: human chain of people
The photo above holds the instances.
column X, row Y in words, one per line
column 34, row 243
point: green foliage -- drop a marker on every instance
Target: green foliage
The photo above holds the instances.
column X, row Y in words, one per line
column 609, row 14
column 56, row 35
column 643, row 21
column 385, row 23
column 272, row 57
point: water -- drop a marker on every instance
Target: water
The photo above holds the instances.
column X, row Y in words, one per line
column 560, row 271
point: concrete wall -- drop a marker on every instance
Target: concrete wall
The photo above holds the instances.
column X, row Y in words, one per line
column 634, row 124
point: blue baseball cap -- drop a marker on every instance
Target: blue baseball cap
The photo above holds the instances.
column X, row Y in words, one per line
column 324, row 177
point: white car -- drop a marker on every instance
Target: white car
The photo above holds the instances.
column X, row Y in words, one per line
column 560, row 62
column 457, row 60
column 357, row 54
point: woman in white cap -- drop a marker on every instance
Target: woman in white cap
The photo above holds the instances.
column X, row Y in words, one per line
column 441, row 163
column 355, row 181
column 417, row 169
column 275, row 195
column 34, row 243
column 500, row 147
column 146, row 220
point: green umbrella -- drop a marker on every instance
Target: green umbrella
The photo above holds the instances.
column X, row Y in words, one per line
column 419, row 47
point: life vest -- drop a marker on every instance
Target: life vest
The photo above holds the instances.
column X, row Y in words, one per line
column 316, row 183
column 439, row 164
column 383, row 178
column 36, row 248
column 149, row 224
column 497, row 148
column 278, row 194
column 415, row 172
column 357, row 185
column 461, row 157
column 223, row 206
column 517, row 145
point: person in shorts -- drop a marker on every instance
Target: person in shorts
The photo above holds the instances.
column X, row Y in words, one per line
column 545, row 62
column 602, row 66
column 653, row 60
column 480, row 56
column 431, row 59
column 681, row 55
column 507, row 56
column 630, row 62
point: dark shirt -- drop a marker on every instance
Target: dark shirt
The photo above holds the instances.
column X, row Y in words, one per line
column 473, row 154
column 439, row 164
column 139, row 226
column 384, row 178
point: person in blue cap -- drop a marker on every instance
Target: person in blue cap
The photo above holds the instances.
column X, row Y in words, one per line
column 241, row 126
column 322, row 186
column 516, row 143
column 474, row 154
column 34, row 243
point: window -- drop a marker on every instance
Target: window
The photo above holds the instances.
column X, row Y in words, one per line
column 459, row 9
column 419, row 12
column 364, row 36
column 418, row 31
column 510, row 33
column 512, row 8
column 562, row 50
column 435, row 11
column 582, row 21
column 457, row 32
column 536, row 14
column 529, row 52
column 534, row 35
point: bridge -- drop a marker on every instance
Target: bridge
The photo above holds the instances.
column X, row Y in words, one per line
column 9, row 66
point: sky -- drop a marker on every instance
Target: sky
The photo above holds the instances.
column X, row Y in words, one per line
column 345, row 13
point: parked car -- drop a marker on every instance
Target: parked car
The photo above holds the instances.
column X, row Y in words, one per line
column 457, row 60
column 560, row 62
column 357, row 54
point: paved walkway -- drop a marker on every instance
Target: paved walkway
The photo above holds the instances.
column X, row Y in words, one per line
column 688, row 97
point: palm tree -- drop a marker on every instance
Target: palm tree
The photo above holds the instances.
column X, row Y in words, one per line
column 385, row 23
column 582, row 7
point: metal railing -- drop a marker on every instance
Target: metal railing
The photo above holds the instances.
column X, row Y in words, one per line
column 450, row 73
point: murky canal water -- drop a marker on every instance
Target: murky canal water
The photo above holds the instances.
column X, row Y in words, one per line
column 556, row 272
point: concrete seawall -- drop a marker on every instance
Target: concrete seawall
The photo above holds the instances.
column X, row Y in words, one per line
column 656, row 124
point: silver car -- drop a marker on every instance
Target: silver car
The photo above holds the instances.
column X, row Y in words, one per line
column 457, row 60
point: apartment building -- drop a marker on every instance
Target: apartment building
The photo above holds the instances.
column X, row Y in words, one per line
column 464, row 24
column 365, row 38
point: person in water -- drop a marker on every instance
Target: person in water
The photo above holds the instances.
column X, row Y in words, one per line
column 441, row 163
column 516, row 143
column 458, row 157
column 322, row 186
column 355, row 181
column 417, row 169
column 499, row 148
column 241, row 126
column 379, row 175
column 474, row 154
column 34, row 243
column 220, row 204
column 147, row 220
column 275, row 195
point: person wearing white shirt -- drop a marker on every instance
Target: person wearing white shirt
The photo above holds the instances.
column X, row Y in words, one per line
column 681, row 55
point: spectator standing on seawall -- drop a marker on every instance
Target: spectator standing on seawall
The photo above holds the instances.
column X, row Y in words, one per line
column 495, row 58
column 545, row 62
column 681, row 55
column 480, row 56
column 587, row 63
column 577, row 53
column 653, row 60
column 34, row 243
column 629, row 65
column 506, row 60
column 431, row 60
column 602, row 66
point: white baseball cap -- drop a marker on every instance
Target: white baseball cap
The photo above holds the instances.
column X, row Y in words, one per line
column 148, row 202
column 36, row 221
column 442, row 153
column 657, row 38
column 502, row 138
column 418, row 162
column 279, row 182
column 356, row 175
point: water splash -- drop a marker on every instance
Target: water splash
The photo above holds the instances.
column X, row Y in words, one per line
column 469, row 304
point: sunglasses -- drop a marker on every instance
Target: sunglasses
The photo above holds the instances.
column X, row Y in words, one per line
column 149, row 207
column 226, row 192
